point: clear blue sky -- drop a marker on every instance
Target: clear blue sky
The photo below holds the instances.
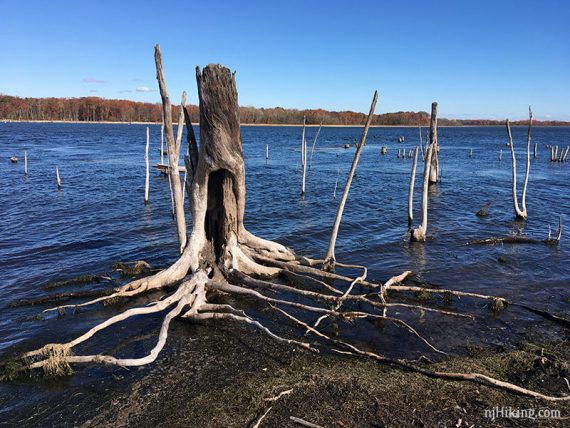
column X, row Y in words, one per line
column 476, row 58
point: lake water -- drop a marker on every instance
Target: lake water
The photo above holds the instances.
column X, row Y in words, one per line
column 99, row 217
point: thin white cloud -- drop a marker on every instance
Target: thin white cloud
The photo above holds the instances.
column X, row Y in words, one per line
column 144, row 89
column 90, row 79
column 124, row 91
column 93, row 90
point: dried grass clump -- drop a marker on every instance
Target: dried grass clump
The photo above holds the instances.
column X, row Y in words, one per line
column 56, row 363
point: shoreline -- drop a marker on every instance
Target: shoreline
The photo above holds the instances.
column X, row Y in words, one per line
column 297, row 125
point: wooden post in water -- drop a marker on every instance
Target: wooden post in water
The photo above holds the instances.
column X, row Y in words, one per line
column 25, row 163
column 421, row 144
column 266, row 152
column 419, row 234
column 58, row 178
column 147, row 176
column 535, row 150
column 501, row 154
column 162, row 143
column 314, row 143
column 411, row 191
column 434, row 170
column 336, row 184
column 303, row 159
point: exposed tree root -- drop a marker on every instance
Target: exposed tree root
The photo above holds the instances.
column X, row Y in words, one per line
column 407, row 365
column 60, row 297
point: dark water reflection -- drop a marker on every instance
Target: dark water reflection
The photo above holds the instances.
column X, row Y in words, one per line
column 99, row 217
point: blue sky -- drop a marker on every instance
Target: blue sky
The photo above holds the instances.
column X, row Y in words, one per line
column 487, row 59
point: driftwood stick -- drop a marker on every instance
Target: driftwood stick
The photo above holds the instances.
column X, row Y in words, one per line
column 25, row 163
column 330, row 256
column 336, row 184
column 411, row 190
column 172, row 149
column 303, row 159
column 147, row 175
column 521, row 214
column 419, row 234
column 527, row 172
column 314, row 144
column 421, row 144
column 162, row 141
column 180, row 128
column 171, row 195
column 58, row 178
column 434, row 170
column 304, row 422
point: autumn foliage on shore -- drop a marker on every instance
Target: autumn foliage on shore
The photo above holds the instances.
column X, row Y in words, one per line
column 95, row 109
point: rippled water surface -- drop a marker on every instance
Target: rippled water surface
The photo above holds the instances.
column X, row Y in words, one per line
column 99, row 217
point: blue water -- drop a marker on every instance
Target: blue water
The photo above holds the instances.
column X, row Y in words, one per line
column 99, row 216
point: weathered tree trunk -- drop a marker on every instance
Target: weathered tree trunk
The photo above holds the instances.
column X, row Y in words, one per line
column 314, row 144
column 172, row 151
column 162, row 142
column 520, row 212
column 419, row 234
column 303, row 159
column 147, row 174
column 411, row 190
column 422, row 144
column 217, row 196
column 58, row 178
column 434, row 170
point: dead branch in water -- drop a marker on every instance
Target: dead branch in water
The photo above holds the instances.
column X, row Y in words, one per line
column 411, row 190
column 520, row 239
column 330, row 256
column 520, row 212
column 314, row 144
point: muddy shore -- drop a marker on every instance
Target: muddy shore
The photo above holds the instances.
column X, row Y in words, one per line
column 222, row 375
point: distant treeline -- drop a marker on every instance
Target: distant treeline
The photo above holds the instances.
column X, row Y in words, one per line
column 94, row 109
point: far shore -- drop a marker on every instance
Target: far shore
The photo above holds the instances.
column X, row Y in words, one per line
column 103, row 122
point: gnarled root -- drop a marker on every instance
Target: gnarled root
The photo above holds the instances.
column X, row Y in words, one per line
column 189, row 301
column 164, row 278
